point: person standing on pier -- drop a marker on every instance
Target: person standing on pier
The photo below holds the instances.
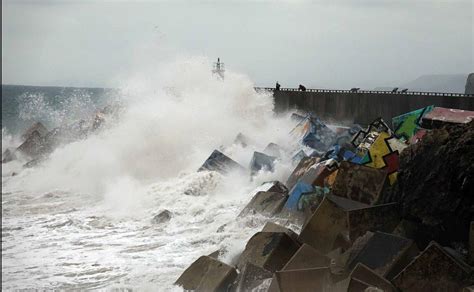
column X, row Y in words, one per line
column 277, row 86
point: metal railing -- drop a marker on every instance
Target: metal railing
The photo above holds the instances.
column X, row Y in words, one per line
column 368, row 91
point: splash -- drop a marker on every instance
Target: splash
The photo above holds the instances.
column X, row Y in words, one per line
column 172, row 121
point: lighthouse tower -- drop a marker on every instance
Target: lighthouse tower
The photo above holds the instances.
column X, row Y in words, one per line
column 218, row 69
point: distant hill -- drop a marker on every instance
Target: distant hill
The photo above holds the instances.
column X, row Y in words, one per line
column 434, row 83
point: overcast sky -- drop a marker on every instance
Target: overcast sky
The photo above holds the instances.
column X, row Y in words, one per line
column 331, row 43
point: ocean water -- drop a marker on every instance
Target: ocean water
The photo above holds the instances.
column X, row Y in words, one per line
column 83, row 218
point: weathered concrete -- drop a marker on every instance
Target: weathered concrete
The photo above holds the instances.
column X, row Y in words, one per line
column 386, row 254
column 273, row 227
column 331, row 219
column 300, row 170
column 265, row 203
column 268, row 250
column 362, row 106
column 207, row 274
column 221, row 163
column 359, row 183
column 361, row 278
column 433, row 270
column 250, row 277
column 306, row 258
column 316, row 279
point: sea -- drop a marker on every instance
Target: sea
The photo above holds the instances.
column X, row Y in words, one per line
column 83, row 218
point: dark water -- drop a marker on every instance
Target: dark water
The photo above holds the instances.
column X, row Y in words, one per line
column 23, row 105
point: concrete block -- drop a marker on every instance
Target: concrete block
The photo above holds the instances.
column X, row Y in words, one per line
column 369, row 276
column 261, row 161
column 8, row 155
column 300, row 170
column 268, row 250
column 324, row 226
column 33, row 146
column 277, row 187
column 265, row 203
column 221, row 163
column 274, row 150
column 316, row 174
column 273, row 227
column 301, row 280
column 298, row 156
column 384, row 218
column 360, row 183
column 386, row 254
column 250, row 277
column 440, row 116
column 336, row 215
column 207, row 274
column 295, row 194
column 306, row 258
column 36, row 127
column 433, row 270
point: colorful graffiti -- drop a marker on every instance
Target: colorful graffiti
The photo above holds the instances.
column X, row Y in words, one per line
column 407, row 125
column 378, row 147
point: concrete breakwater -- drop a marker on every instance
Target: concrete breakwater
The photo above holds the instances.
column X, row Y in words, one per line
column 362, row 106
column 382, row 212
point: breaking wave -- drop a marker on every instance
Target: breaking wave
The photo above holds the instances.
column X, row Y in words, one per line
column 100, row 193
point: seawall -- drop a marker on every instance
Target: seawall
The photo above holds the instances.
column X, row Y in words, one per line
column 363, row 107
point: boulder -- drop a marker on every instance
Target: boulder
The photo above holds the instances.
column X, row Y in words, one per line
column 36, row 127
column 251, row 277
column 8, row 155
column 385, row 253
column 207, row 274
column 162, row 217
column 221, row 163
column 261, row 161
column 268, row 250
column 265, row 203
column 300, row 170
column 433, row 270
column 436, row 183
column 359, row 183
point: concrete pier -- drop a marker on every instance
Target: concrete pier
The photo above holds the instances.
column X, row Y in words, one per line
column 363, row 106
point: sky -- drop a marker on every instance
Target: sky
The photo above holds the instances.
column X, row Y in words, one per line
column 327, row 43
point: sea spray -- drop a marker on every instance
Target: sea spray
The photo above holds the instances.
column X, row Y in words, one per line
column 88, row 209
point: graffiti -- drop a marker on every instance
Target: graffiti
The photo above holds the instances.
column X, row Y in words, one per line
column 377, row 147
column 408, row 124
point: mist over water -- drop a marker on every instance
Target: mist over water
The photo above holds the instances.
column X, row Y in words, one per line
column 82, row 219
